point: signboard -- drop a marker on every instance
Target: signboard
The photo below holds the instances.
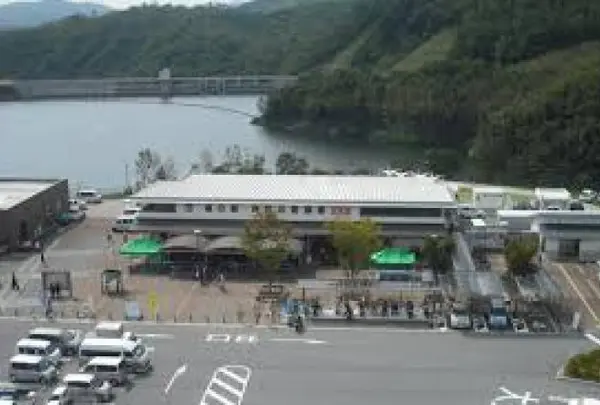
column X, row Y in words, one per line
column 153, row 303
column 132, row 311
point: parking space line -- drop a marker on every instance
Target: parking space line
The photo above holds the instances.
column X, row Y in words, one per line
column 577, row 291
column 589, row 282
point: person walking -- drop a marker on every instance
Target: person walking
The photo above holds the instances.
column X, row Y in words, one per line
column 15, row 282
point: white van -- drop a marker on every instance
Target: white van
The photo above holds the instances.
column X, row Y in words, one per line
column 135, row 354
column 86, row 387
column 111, row 369
column 66, row 339
column 114, row 330
column 31, row 368
column 90, row 196
column 38, row 347
column 123, row 223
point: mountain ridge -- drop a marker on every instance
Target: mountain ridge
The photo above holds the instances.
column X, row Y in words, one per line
column 30, row 14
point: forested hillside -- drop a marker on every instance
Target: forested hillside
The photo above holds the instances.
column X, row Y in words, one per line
column 510, row 88
column 198, row 41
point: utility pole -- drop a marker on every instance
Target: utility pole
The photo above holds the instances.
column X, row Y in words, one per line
column 126, row 176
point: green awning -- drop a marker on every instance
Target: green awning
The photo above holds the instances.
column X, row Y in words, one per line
column 141, row 247
column 394, row 256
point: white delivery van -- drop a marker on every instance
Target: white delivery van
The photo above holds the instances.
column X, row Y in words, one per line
column 111, row 369
column 137, row 358
column 31, row 368
column 38, row 347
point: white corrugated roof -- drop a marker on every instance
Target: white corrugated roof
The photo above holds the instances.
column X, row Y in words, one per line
column 13, row 193
column 335, row 189
column 553, row 193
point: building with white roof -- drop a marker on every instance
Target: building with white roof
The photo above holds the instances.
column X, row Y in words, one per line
column 553, row 197
column 28, row 208
column 220, row 204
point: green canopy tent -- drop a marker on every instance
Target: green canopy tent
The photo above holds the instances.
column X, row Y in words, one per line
column 397, row 258
column 149, row 249
column 141, row 247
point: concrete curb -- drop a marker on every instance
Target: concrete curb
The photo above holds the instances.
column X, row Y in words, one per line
column 399, row 323
column 355, row 328
column 530, row 335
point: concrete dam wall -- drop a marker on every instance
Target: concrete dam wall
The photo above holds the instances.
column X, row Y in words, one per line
column 141, row 87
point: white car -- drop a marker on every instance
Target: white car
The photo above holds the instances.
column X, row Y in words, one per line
column 89, row 196
column 59, row 396
column 460, row 318
column 479, row 325
column 85, row 387
column 519, row 326
column 123, row 223
column 80, row 203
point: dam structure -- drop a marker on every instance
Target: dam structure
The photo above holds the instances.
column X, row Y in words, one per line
column 162, row 86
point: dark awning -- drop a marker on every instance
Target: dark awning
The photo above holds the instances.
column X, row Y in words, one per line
column 185, row 243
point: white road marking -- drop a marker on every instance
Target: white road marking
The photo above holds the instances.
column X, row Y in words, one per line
column 245, row 339
column 226, row 338
column 308, row 341
column 577, row 291
column 175, row 375
column 155, row 335
column 513, row 397
column 592, row 338
column 589, row 281
column 221, row 390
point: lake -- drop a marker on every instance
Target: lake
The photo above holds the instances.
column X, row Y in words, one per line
column 92, row 142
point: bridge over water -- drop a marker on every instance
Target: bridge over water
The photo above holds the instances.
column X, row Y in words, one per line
column 164, row 87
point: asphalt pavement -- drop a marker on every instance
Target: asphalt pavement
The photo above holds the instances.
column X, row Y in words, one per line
column 211, row 365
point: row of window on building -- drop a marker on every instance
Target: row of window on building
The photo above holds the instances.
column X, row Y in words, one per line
column 376, row 212
column 280, row 209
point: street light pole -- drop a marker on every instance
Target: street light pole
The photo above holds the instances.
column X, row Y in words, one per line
column 197, row 234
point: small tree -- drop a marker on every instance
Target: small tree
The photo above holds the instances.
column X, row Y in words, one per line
column 166, row 170
column 437, row 252
column 518, row 254
column 354, row 241
column 146, row 166
column 290, row 163
column 266, row 240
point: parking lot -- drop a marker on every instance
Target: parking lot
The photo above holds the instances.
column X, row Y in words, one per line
column 216, row 365
column 581, row 283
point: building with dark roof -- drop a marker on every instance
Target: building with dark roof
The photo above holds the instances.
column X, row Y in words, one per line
column 29, row 208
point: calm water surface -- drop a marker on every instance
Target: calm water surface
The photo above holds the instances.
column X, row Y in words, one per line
column 91, row 142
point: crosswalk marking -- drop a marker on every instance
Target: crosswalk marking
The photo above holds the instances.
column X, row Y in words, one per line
column 228, row 387
column 233, row 376
column 219, row 397
column 220, row 392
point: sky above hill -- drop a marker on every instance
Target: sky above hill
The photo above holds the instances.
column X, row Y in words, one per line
column 123, row 4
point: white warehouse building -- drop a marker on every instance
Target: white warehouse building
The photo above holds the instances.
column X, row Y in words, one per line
column 406, row 208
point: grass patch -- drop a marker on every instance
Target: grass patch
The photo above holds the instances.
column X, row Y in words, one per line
column 464, row 194
column 585, row 366
column 433, row 50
